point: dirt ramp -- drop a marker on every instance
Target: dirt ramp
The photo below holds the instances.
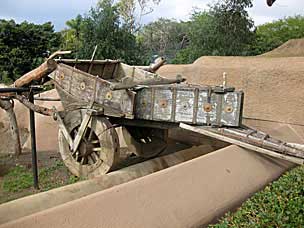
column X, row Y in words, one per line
column 273, row 86
column 291, row 48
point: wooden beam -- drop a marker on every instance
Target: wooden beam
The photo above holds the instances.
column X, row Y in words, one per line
column 36, row 108
column 205, row 132
column 43, row 70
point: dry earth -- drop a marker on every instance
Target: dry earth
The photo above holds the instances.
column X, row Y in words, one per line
column 273, row 86
column 292, row 48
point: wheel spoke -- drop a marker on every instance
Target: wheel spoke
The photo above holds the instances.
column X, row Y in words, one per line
column 82, row 160
column 90, row 160
column 90, row 153
column 90, row 135
column 96, row 157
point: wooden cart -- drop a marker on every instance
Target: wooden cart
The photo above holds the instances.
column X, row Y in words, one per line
column 98, row 96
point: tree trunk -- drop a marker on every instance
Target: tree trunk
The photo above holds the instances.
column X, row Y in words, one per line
column 8, row 107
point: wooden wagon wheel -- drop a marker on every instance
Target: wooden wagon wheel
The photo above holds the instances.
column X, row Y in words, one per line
column 98, row 150
column 145, row 142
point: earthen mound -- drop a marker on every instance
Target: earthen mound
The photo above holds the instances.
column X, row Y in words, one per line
column 291, row 48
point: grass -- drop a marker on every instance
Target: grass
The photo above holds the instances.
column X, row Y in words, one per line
column 18, row 182
column 280, row 204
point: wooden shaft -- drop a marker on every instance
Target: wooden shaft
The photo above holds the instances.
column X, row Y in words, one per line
column 157, row 81
column 211, row 134
column 153, row 68
column 43, row 70
column 36, row 108
column 157, row 65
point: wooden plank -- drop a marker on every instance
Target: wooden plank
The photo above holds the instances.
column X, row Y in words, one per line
column 81, row 130
column 205, row 132
column 43, row 70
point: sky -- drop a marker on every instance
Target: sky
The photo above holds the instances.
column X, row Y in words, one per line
column 59, row 11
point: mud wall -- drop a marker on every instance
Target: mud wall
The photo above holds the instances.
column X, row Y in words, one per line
column 273, row 86
column 46, row 127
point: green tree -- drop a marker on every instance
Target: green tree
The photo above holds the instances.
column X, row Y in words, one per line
column 23, row 47
column 274, row 34
column 102, row 26
column 225, row 29
column 163, row 37
column 71, row 35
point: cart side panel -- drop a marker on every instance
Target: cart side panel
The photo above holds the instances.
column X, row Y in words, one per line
column 185, row 100
column 91, row 91
column 200, row 105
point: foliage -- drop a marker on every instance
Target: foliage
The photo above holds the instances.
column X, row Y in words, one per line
column 102, row 26
column 17, row 179
column 278, row 205
column 163, row 37
column 225, row 29
column 274, row 34
column 23, row 47
column 71, row 36
column 20, row 178
column 201, row 33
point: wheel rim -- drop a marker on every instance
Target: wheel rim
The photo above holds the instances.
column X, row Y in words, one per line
column 98, row 149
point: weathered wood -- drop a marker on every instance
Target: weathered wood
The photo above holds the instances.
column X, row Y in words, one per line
column 9, row 108
column 202, row 105
column 63, row 130
column 56, row 53
column 99, row 150
column 81, row 130
column 76, row 86
column 46, row 99
column 129, row 83
column 153, row 67
column 36, row 108
column 240, row 143
column 43, row 70
column 92, row 59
